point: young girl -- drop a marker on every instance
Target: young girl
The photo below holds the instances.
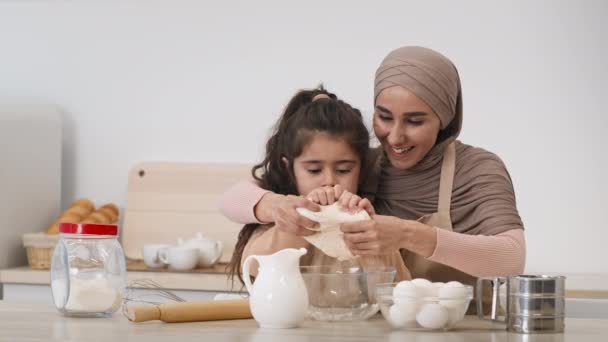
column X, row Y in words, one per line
column 317, row 150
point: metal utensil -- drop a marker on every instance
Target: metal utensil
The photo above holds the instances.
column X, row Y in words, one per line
column 534, row 303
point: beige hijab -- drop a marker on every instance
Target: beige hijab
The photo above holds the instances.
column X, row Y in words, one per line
column 483, row 200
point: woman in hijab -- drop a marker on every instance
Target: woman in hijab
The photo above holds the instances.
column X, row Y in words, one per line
column 447, row 207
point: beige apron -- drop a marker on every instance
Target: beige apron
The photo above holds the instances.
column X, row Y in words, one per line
column 421, row 267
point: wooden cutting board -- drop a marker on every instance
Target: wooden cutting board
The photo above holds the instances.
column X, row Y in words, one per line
column 167, row 200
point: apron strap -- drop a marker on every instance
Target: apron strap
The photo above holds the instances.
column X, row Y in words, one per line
column 445, row 186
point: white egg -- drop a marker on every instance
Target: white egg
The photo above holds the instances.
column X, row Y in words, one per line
column 421, row 282
column 405, row 288
column 456, row 310
column 453, row 303
column 400, row 318
column 435, row 287
column 424, row 285
column 405, row 295
column 453, row 290
column 407, row 303
column 432, row 316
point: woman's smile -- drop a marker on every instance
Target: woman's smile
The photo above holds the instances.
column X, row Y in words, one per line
column 399, row 153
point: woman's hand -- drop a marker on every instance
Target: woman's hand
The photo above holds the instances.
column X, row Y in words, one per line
column 385, row 234
column 282, row 209
column 354, row 203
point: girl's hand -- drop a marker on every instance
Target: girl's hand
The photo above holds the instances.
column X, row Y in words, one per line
column 386, row 234
column 287, row 219
column 326, row 195
column 354, row 203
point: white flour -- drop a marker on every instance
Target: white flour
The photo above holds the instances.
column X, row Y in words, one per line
column 95, row 295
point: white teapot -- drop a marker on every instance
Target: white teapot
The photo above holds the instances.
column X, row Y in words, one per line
column 209, row 250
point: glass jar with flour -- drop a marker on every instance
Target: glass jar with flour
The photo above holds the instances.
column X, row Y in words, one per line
column 88, row 271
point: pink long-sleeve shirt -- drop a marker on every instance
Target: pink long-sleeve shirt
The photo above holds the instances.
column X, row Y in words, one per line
column 478, row 255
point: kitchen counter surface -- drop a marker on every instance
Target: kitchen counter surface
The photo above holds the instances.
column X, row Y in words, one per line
column 594, row 286
column 38, row 322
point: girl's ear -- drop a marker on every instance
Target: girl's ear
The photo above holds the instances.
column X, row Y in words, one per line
column 286, row 162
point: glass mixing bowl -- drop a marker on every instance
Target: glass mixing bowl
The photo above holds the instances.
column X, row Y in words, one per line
column 344, row 293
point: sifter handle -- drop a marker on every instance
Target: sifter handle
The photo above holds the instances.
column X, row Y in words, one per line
column 495, row 298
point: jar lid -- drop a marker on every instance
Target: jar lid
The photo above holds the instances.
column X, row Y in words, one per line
column 88, row 228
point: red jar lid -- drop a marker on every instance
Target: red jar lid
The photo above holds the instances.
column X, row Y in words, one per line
column 88, row 228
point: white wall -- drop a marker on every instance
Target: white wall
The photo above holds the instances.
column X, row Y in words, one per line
column 203, row 81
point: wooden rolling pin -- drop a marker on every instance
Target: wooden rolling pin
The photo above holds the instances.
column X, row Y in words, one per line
column 191, row 311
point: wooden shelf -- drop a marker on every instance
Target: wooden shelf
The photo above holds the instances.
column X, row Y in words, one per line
column 211, row 279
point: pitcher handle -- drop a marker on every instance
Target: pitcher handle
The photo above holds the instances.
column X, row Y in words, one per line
column 246, row 277
column 496, row 281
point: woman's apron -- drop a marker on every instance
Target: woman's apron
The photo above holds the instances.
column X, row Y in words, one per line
column 419, row 266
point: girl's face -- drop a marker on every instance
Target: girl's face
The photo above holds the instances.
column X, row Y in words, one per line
column 326, row 161
column 405, row 125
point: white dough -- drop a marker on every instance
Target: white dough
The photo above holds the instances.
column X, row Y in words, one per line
column 329, row 238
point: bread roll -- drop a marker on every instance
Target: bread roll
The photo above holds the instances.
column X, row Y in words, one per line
column 97, row 217
column 83, row 211
column 110, row 213
column 84, row 202
column 112, row 207
column 53, row 228
column 66, row 217
column 70, row 217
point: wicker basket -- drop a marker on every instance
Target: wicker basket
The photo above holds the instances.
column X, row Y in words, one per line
column 39, row 247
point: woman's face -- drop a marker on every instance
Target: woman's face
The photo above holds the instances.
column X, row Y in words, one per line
column 405, row 125
column 326, row 161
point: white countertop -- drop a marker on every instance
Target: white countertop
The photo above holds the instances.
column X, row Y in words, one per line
column 38, row 322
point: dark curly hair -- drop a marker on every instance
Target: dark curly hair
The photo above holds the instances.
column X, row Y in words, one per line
column 301, row 119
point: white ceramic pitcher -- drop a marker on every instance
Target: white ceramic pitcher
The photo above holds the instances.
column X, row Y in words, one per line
column 278, row 297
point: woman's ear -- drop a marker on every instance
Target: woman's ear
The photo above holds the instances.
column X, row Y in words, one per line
column 285, row 162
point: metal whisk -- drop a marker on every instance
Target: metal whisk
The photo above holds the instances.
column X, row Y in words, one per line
column 154, row 297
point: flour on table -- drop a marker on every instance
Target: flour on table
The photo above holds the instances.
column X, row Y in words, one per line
column 330, row 239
